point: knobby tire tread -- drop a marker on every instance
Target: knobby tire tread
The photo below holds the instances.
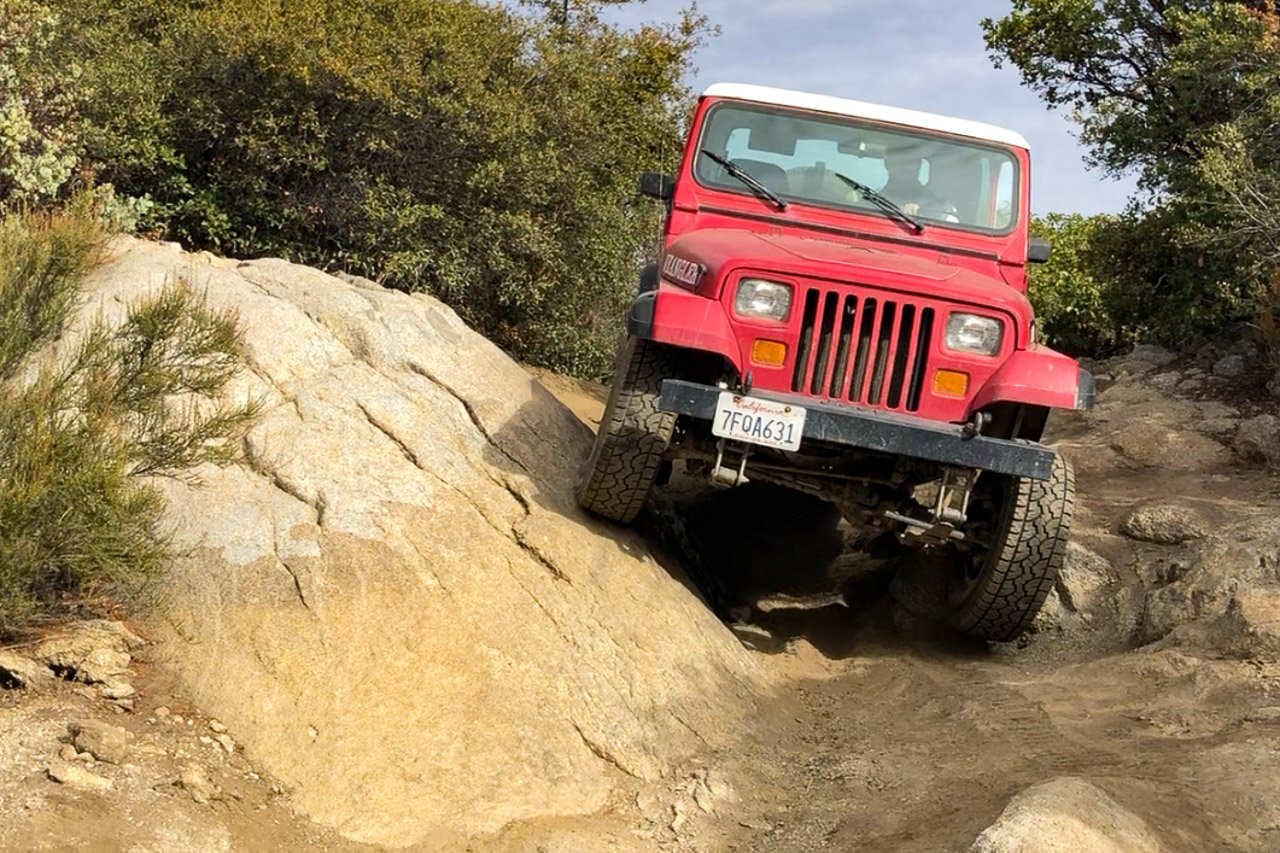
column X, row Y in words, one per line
column 634, row 434
column 1016, row 579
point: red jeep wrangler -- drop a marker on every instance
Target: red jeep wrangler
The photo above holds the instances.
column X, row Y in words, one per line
column 840, row 308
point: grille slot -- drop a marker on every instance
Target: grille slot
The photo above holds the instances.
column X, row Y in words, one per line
column 863, row 349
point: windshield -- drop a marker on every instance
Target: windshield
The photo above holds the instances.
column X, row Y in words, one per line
column 799, row 156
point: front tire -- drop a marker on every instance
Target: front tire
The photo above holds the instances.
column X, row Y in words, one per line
column 1005, row 585
column 634, row 433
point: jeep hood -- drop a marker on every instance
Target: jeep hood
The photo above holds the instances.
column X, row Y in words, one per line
column 723, row 251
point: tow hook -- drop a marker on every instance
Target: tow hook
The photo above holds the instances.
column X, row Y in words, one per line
column 974, row 428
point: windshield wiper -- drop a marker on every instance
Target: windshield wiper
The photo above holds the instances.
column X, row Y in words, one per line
column 883, row 203
column 747, row 178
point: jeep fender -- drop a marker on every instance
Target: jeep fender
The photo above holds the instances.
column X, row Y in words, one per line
column 1038, row 376
column 671, row 315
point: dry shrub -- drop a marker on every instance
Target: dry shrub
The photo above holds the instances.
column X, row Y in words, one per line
column 80, row 434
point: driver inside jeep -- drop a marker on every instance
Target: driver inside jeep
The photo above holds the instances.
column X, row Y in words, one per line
column 904, row 187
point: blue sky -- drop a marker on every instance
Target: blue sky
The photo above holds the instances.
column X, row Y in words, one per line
column 921, row 54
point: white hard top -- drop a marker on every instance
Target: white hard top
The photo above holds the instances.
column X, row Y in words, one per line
column 862, row 109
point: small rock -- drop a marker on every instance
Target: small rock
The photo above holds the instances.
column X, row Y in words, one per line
column 1263, row 715
column 1246, row 349
column 1230, row 366
column 1258, row 439
column 118, row 689
column 678, row 818
column 1251, row 626
column 77, row 777
column 1083, row 576
column 69, row 652
column 703, row 800
column 1190, row 385
column 161, row 712
column 1163, row 524
column 197, row 784
column 103, row 741
column 1151, row 353
column 1165, row 381
column 1273, row 387
column 177, row 718
column 20, row 671
column 1066, row 815
column 217, row 727
column 103, row 666
column 1221, row 427
column 1053, row 614
column 67, row 752
column 718, row 783
column 1158, row 445
column 227, row 743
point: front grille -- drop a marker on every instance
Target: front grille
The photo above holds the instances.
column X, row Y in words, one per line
column 864, row 349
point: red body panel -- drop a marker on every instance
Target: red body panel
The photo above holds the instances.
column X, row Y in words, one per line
column 841, row 258
column 1037, row 376
column 685, row 319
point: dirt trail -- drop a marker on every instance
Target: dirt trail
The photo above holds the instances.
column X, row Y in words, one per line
column 1146, row 676
column 898, row 735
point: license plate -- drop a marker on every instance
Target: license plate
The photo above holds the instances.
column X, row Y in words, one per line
column 757, row 421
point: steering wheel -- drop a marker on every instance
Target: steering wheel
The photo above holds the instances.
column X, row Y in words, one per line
column 939, row 213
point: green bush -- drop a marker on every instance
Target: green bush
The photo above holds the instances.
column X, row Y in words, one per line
column 38, row 134
column 1162, row 284
column 1067, row 292
column 484, row 153
column 80, row 434
column 1114, row 281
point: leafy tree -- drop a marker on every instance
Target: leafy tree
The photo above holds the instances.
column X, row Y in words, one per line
column 1185, row 93
column 1144, row 78
column 483, row 154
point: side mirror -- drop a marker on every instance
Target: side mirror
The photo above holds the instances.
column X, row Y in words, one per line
column 657, row 185
column 1038, row 250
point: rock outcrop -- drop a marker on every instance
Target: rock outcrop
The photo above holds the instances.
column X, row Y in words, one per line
column 395, row 604
column 1066, row 815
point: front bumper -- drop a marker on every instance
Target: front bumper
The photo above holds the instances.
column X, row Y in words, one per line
column 899, row 435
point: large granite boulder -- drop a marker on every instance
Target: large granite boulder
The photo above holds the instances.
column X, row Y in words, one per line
column 396, row 604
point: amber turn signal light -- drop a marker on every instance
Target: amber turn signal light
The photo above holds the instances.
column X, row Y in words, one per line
column 768, row 353
column 950, row 383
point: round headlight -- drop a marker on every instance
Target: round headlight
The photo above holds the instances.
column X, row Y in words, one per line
column 759, row 298
column 974, row 333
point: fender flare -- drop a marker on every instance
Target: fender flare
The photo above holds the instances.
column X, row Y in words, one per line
column 674, row 316
column 1038, row 376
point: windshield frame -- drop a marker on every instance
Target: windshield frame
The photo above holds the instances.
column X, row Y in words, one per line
column 708, row 116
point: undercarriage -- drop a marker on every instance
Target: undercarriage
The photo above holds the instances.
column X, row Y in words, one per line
column 999, row 509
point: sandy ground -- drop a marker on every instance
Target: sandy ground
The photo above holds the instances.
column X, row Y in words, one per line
column 899, row 735
column 892, row 734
